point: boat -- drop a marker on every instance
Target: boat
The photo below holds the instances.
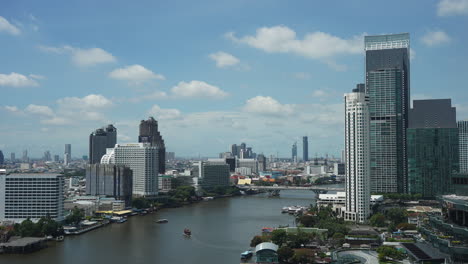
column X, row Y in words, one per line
column 162, row 221
column 267, row 230
column 187, row 232
column 246, row 254
column 59, row 238
column 284, row 209
column 122, row 220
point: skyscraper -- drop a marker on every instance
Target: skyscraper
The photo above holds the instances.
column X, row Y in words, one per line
column 47, row 156
column 234, row 150
column 149, row 134
column 463, row 146
column 305, row 149
column 357, row 154
column 12, row 157
column 25, row 156
column 2, row 159
column 388, row 87
column 261, row 162
column 432, row 147
column 67, row 154
column 99, row 140
column 294, row 152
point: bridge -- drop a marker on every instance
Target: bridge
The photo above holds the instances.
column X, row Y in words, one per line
column 317, row 188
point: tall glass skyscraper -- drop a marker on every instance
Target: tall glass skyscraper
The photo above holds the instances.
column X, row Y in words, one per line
column 99, row 141
column 432, row 147
column 463, row 146
column 305, row 148
column 388, row 87
column 149, row 134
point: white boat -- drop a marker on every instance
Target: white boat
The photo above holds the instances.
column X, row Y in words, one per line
column 284, row 209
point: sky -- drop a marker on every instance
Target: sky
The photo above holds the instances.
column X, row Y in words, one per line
column 212, row 72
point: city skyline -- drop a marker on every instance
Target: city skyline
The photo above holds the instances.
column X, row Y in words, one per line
column 231, row 73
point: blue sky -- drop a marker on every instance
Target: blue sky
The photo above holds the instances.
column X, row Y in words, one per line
column 212, row 73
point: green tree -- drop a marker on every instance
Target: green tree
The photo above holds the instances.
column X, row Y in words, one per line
column 279, row 237
column 256, row 240
column 386, row 252
column 338, row 238
column 284, row 254
column 75, row 216
column 28, row 229
column 49, row 227
column 397, row 215
column 378, row 220
column 141, row 203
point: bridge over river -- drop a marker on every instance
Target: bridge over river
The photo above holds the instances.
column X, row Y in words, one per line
column 275, row 189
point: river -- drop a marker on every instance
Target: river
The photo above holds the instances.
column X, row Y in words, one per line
column 221, row 230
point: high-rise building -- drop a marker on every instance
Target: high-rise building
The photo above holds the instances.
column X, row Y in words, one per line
column 25, row 158
column 170, row 155
column 305, row 149
column 463, row 146
column 432, row 147
column 234, row 150
column 212, row 174
column 47, row 156
column 357, row 143
column 149, row 134
column 67, row 154
column 143, row 160
column 31, row 196
column 388, row 88
column 294, row 152
column 56, row 158
column 99, row 141
column 2, row 159
column 261, row 162
column 248, row 163
column 12, row 157
column 109, row 180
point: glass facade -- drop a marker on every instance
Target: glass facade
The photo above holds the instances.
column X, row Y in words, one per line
column 432, row 158
column 463, row 136
column 388, row 86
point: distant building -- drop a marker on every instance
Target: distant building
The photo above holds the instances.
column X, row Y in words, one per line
column 56, row 158
column 261, row 162
column 143, row 160
column 221, row 161
column 47, row 156
column 234, row 150
column 31, row 196
column 294, row 152
column 339, row 169
column 357, row 142
column 149, row 134
column 12, row 157
column 305, row 149
column 170, row 155
column 110, row 180
column 2, row 159
column 25, row 156
column 99, row 141
column 67, row 155
column 388, row 86
column 164, row 183
column 432, row 147
column 463, row 146
column 248, row 163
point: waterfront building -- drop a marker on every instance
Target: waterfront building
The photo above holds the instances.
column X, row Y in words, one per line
column 110, row 180
column 261, row 162
column 143, row 160
column 266, row 252
column 248, row 163
column 463, row 146
column 432, row 147
column 99, row 141
column 67, row 155
column 212, row 174
column 230, row 161
column 305, row 149
column 31, row 196
column 388, row 88
column 164, row 183
column 149, row 134
column 357, row 143
column 294, row 152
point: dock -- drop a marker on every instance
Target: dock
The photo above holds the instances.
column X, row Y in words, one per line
column 23, row 245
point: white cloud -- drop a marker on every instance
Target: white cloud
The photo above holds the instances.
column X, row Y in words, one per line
column 434, row 38
column 58, row 121
column 301, row 75
column 198, row 89
column 268, row 106
column 7, row 27
column 320, row 93
column 11, row 108
column 317, row 45
column 37, row 76
column 16, row 80
column 156, row 95
column 41, row 110
column 452, row 7
column 224, row 59
column 134, row 74
column 164, row 114
column 89, row 102
column 82, row 57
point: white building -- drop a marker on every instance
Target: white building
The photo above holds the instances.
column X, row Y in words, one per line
column 142, row 159
column 248, row 163
column 357, row 154
column 31, row 196
column 338, row 201
column 244, row 171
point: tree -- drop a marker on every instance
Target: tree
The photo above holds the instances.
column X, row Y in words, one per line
column 49, row 227
column 75, row 216
column 406, row 226
column 397, row 215
column 285, row 253
column 279, row 237
column 389, row 252
column 377, row 220
column 28, row 229
column 256, row 240
column 338, row 238
column 141, row 203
